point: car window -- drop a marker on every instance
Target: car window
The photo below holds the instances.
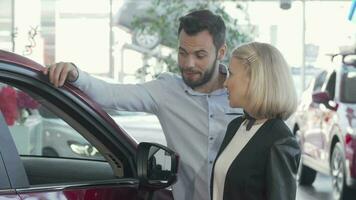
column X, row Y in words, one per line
column 319, row 81
column 51, row 151
column 39, row 132
column 143, row 127
column 348, row 90
column 330, row 86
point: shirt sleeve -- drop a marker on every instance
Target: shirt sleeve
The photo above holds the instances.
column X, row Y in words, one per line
column 282, row 167
column 129, row 97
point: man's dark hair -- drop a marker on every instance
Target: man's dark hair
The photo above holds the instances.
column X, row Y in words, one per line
column 201, row 20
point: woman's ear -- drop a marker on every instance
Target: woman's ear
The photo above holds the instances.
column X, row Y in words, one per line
column 222, row 52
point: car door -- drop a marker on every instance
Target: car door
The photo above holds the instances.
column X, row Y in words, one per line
column 328, row 114
column 312, row 121
column 111, row 171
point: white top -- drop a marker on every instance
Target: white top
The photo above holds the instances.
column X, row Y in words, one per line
column 194, row 123
column 232, row 150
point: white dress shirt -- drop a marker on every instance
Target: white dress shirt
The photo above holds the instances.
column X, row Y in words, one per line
column 232, row 150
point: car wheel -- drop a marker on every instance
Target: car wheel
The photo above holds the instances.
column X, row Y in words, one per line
column 49, row 152
column 305, row 174
column 337, row 167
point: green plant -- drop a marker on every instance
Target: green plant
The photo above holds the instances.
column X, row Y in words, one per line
column 162, row 17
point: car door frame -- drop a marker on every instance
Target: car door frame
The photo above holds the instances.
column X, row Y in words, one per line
column 76, row 109
column 24, row 79
column 22, row 74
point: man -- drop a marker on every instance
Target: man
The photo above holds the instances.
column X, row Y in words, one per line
column 192, row 109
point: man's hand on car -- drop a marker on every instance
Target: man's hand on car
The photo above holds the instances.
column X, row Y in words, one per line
column 60, row 72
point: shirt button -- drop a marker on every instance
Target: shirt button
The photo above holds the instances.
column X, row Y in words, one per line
column 211, row 115
column 208, row 95
column 211, row 162
column 211, row 138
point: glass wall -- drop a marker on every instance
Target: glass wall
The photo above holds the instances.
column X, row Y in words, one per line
column 6, row 25
column 98, row 36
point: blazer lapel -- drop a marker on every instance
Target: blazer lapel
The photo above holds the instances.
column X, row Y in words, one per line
column 231, row 131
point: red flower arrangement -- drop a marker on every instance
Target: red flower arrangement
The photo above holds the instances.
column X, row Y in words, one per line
column 8, row 104
column 24, row 101
column 12, row 102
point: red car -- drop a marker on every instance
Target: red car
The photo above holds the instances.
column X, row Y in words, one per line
column 325, row 124
column 126, row 170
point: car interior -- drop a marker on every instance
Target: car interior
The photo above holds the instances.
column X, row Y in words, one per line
column 43, row 170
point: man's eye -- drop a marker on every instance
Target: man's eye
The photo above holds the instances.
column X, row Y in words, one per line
column 200, row 56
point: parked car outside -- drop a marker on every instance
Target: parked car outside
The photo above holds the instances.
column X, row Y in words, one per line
column 325, row 125
column 61, row 140
column 126, row 170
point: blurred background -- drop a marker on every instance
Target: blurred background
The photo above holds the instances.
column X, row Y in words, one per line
column 132, row 41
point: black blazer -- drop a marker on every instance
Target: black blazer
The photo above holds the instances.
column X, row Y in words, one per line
column 266, row 167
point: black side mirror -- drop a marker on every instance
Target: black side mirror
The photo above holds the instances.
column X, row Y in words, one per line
column 320, row 97
column 157, row 165
column 324, row 98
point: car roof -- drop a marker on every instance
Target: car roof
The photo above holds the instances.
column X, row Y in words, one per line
column 344, row 52
column 13, row 58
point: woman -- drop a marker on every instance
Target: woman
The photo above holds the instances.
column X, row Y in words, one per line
column 259, row 156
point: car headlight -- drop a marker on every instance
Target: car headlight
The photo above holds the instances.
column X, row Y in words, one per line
column 86, row 150
column 350, row 131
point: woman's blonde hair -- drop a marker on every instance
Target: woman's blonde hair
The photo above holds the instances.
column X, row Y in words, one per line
column 271, row 90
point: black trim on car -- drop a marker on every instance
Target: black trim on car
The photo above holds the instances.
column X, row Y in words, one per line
column 127, row 182
column 47, row 170
column 8, row 192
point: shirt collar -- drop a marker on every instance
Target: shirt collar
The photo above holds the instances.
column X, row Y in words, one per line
column 192, row 92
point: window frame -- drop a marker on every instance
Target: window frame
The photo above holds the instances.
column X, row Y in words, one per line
column 77, row 111
column 321, row 75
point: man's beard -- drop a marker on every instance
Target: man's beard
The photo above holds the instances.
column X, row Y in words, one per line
column 206, row 77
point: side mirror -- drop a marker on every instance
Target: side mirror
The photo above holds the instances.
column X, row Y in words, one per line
column 157, row 165
column 324, row 99
column 320, row 97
